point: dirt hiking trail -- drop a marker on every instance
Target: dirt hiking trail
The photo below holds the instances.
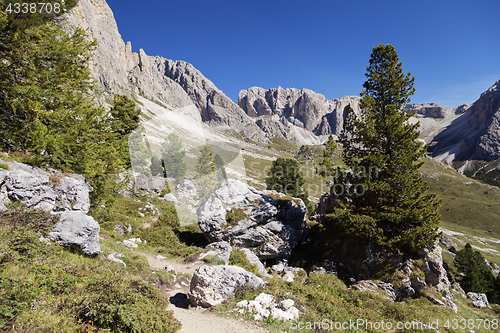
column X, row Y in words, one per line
column 196, row 319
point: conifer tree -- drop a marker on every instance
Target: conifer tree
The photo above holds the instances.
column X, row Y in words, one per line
column 473, row 273
column 46, row 97
column 495, row 295
column 45, row 85
column 391, row 205
column 139, row 152
column 125, row 115
column 327, row 165
column 205, row 163
column 206, row 181
column 156, row 166
column 219, row 167
column 173, row 157
column 124, row 119
column 285, row 177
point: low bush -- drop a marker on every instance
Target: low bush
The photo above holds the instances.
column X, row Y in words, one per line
column 238, row 258
column 47, row 288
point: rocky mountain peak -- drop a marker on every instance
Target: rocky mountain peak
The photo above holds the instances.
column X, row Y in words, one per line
column 429, row 110
column 295, row 112
column 299, row 115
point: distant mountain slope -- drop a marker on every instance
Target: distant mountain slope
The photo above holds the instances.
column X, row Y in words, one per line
column 433, row 118
column 302, row 108
column 473, row 136
column 281, row 111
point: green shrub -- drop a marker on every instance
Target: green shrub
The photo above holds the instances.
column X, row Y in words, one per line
column 4, row 166
column 238, row 258
column 47, row 288
column 126, row 306
column 213, row 260
column 165, row 190
column 18, row 215
column 235, row 215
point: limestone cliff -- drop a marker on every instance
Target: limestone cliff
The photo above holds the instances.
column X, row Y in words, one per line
column 175, row 84
column 113, row 58
column 475, row 134
column 303, row 108
column 433, row 118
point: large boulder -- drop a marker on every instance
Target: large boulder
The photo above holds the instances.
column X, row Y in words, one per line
column 385, row 290
column 75, row 229
column 148, row 186
column 186, row 190
column 266, row 221
column 49, row 190
column 211, row 285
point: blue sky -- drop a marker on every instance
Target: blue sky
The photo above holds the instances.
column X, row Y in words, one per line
column 451, row 47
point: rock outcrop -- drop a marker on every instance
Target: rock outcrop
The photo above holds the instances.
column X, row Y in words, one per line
column 270, row 226
column 265, row 305
column 49, row 190
column 429, row 110
column 383, row 289
column 433, row 118
column 113, row 58
column 434, row 270
column 478, row 300
column 149, row 186
column 215, row 108
column 64, row 195
column 220, row 250
column 211, row 285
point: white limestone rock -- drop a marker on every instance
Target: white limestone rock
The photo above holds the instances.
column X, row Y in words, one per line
column 77, row 230
column 273, row 229
column 114, row 256
column 211, row 285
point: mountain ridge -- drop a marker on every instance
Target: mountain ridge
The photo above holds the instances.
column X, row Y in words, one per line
column 475, row 135
column 301, row 116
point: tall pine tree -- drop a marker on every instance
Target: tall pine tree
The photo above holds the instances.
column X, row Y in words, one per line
column 473, row 273
column 385, row 198
column 327, row 166
column 46, row 97
column 206, row 181
column 205, row 163
column 173, row 157
column 220, row 170
column 124, row 119
column 139, row 151
column 156, row 167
